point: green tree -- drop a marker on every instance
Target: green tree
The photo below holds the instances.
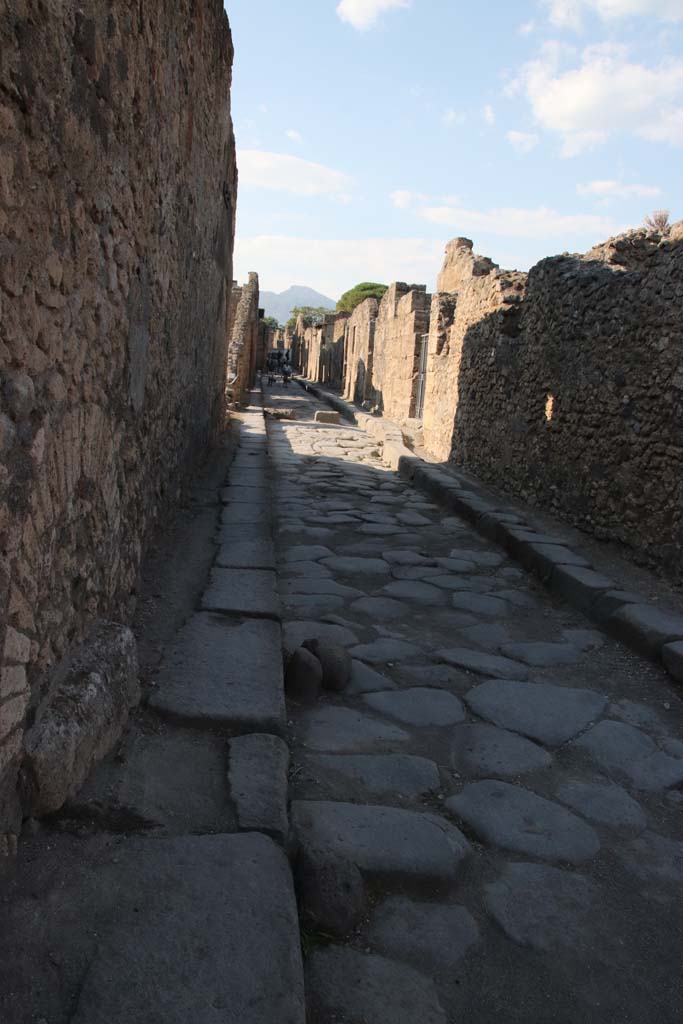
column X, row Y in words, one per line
column 271, row 322
column 356, row 295
column 309, row 313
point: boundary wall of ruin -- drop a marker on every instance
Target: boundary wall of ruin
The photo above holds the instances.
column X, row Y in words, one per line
column 117, row 198
column 247, row 338
column 402, row 320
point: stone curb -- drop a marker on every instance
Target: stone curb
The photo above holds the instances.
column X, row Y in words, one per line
column 643, row 627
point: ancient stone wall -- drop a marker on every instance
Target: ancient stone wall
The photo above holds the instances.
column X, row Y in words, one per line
column 573, row 398
column 117, row 197
column 402, row 320
column 359, row 338
column 245, row 331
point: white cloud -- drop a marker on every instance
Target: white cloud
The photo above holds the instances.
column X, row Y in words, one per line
column 453, row 117
column 293, row 135
column 363, row 14
column 570, row 13
column 334, row 265
column 538, row 223
column 285, row 173
column 403, row 198
column 523, row 142
column 526, row 28
column 617, row 190
column 606, row 94
column 489, row 114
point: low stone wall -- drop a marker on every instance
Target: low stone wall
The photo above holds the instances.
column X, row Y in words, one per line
column 117, row 198
column 359, row 340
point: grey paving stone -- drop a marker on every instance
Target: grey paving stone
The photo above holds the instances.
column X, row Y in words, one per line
column 654, row 858
column 479, row 604
column 415, row 592
column 431, row 936
column 306, row 570
column 419, row 706
column 258, row 784
column 580, row 587
column 365, row 680
column 385, row 651
column 379, row 529
column 381, row 609
column 318, row 586
column 242, row 592
column 352, row 566
column 243, row 476
column 457, row 565
column 551, row 714
column 542, row 907
column 244, row 512
column 584, row 639
column 482, row 663
column 672, row 655
column 413, row 519
column 635, row 713
column 223, row 672
column 192, row 928
column 489, row 559
column 237, row 492
column 517, row 598
column 646, row 627
column 295, row 632
column 489, row 635
column 246, row 554
column 604, row 804
column 486, row 751
column 306, row 553
column 518, row 820
column 362, row 776
column 416, row 572
column 404, row 558
column 542, row 654
column 384, row 842
column 622, row 749
column 345, row 985
column 344, row 730
column 313, row 604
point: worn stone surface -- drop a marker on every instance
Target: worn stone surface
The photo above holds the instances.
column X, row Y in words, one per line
column 384, row 842
column 551, row 714
column 81, row 716
column 419, row 706
column 625, row 751
column 242, row 592
column 331, row 891
column 258, row 784
column 542, row 907
column 335, row 662
column 482, row 664
column 385, row 651
column 343, row 984
column 366, row 680
column 348, row 776
column 303, row 676
column 603, row 804
column 481, row 750
column 430, row 936
column 223, row 672
column 519, row 820
column 345, row 730
column 172, row 927
column 114, row 288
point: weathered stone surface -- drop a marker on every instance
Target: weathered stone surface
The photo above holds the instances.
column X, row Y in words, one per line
column 483, row 664
column 350, row 566
column 431, row 936
column 348, row 776
column 326, row 416
column 542, row 907
column 604, row 804
column 623, row 750
column 296, row 632
column 551, row 714
column 246, row 554
column 331, row 891
column 384, row 842
column 303, row 677
column 380, row 609
column 542, row 655
column 479, row 604
column 82, row 715
column 519, row 820
column 335, row 661
column 365, row 680
column 654, row 859
column 485, row 751
column 415, row 592
column 319, row 586
column 646, row 627
column 194, row 928
column 306, row 553
column 342, row 984
column 242, row 592
column 258, row 784
column 223, row 672
column 419, row 706
column 339, row 730
column 312, row 604
column 672, row 655
column 385, row 651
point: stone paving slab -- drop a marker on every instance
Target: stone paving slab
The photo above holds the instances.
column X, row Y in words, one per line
column 242, row 592
column 368, row 776
column 134, row 930
column 258, row 784
column 430, row 936
column 484, row 751
column 384, row 842
column 246, row 554
column 518, row 820
column 345, row 730
column 224, row 673
column 345, row 985
column 603, row 804
column 541, row 711
column 482, row 664
column 420, row 706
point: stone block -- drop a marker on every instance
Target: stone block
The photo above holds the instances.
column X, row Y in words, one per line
column 82, row 715
column 246, row 554
column 258, row 784
column 646, row 628
column 326, row 416
column 242, row 592
column 579, row 586
column 672, row 655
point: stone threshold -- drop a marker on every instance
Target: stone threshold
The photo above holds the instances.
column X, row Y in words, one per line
column 642, row 626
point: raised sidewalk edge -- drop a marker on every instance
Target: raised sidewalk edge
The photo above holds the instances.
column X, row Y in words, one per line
column 645, row 628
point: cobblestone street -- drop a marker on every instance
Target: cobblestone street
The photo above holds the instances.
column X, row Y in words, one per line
column 505, row 778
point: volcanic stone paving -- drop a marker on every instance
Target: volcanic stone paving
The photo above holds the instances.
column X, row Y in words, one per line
column 506, row 780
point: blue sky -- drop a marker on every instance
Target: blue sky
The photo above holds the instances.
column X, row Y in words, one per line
column 370, row 132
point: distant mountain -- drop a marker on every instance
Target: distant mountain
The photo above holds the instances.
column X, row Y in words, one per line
column 281, row 306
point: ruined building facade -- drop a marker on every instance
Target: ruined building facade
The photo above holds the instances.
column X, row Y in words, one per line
column 248, row 339
column 563, row 386
column 117, row 203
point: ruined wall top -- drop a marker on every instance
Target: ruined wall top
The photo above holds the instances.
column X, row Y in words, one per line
column 462, row 264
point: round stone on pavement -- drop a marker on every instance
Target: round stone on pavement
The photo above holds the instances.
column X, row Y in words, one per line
column 303, row 677
column 335, row 661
